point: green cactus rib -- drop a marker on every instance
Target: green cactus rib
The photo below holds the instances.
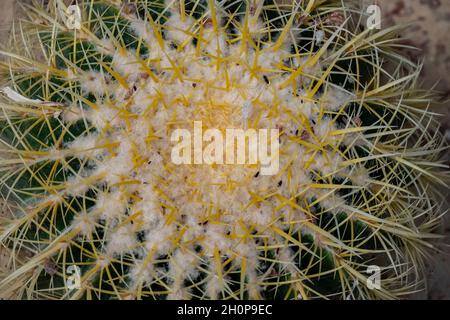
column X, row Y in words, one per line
column 87, row 180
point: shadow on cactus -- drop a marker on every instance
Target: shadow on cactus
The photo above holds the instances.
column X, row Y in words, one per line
column 87, row 178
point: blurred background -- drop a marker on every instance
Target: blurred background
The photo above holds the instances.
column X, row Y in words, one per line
column 429, row 32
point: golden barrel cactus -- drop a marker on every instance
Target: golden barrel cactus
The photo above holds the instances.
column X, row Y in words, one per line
column 92, row 93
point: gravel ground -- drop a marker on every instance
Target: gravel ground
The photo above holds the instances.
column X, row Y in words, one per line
column 430, row 33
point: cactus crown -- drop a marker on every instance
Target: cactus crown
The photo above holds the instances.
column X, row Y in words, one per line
column 88, row 178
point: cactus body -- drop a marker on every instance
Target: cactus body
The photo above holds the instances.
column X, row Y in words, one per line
column 87, row 175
